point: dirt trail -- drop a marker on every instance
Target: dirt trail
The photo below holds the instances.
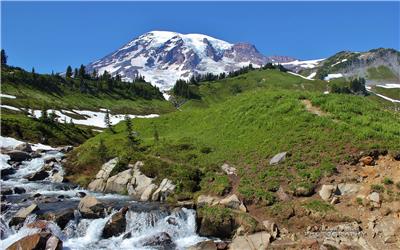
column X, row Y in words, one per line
column 313, row 109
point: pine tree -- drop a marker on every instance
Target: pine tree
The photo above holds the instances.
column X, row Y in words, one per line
column 107, row 121
column 82, row 72
column 68, row 73
column 131, row 136
column 3, row 57
column 75, row 73
column 44, row 116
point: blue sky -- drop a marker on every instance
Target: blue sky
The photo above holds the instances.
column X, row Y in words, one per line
column 51, row 35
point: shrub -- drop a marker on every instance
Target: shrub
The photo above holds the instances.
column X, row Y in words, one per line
column 387, row 181
column 318, row 206
column 377, row 188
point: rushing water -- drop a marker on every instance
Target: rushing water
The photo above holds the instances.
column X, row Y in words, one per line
column 147, row 223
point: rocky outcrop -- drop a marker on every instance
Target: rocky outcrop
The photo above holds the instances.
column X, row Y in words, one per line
column 233, row 202
column 99, row 184
column 118, row 182
column 90, row 207
column 207, row 200
column 166, row 188
column 257, row 241
column 116, row 225
column 140, row 186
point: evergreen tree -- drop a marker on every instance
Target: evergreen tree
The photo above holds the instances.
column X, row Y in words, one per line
column 131, row 136
column 75, row 73
column 107, row 121
column 3, row 57
column 82, row 72
column 94, row 74
column 44, row 116
column 68, row 73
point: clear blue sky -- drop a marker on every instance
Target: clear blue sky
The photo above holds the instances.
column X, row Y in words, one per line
column 51, row 35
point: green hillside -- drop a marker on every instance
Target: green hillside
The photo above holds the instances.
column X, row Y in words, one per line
column 267, row 116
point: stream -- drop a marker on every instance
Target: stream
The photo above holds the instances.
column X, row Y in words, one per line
column 148, row 224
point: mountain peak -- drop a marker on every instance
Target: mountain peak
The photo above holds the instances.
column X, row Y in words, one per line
column 163, row 57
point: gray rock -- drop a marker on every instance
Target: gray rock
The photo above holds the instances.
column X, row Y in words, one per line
column 118, row 182
column 24, row 147
column 38, row 176
column 18, row 156
column 233, row 202
column 90, row 207
column 146, row 195
column 207, row 200
column 271, row 228
column 204, row 245
column 389, row 229
column 348, row 188
column 374, row 197
column 326, row 192
column 228, row 169
column 166, row 187
column 257, row 241
column 99, row 184
column 21, row 215
column 278, row 158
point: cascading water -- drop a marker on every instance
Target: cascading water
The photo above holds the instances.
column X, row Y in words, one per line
column 147, row 227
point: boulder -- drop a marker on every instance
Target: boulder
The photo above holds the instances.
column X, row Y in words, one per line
column 6, row 191
column 118, row 182
column 204, row 245
column 166, row 187
column 282, row 195
column 348, row 188
column 61, row 218
column 81, row 194
column 257, row 241
column 116, row 225
column 389, row 229
column 5, row 172
column 146, row 195
column 374, row 197
column 24, row 147
column 22, row 213
column 221, row 227
column 161, row 239
column 233, row 202
column 19, row 190
column 38, row 176
column 50, row 160
column 99, row 184
column 139, row 183
column 57, row 177
column 228, row 169
column 90, row 207
column 207, row 200
column 278, row 158
column 326, row 192
column 303, row 191
column 38, row 241
column 18, row 155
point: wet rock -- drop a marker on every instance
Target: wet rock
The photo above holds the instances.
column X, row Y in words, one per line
column 54, row 243
column 6, row 191
column 65, row 149
column 21, row 215
column 19, row 190
column 257, row 241
column 38, row 176
column 223, row 228
column 35, row 155
column 118, row 182
column 166, row 187
column 326, row 192
column 18, row 156
column 207, row 200
column 161, row 239
column 61, row 218
column 278, row 158
column 367, row 160
column 228, row 169
column 50, row 160
column 24, row 147
column 172, row 221
column 116, row 225
column 34, row 241
column 37, row 195
column 5, row 172
column 90, row 207
column 81, row 194
column 204, row 245
column 57, row 177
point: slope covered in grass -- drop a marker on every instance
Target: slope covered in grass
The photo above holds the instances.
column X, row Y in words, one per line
column 246, row 130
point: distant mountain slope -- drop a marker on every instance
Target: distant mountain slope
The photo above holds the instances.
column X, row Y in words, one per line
column 162, row 57
column 377, row 66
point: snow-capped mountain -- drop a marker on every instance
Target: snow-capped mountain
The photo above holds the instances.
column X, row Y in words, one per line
column 162, row 57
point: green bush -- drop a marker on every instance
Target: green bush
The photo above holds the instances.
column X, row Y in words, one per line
column 377, row 188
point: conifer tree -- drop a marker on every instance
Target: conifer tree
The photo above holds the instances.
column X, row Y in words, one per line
column 3, row 57
column 107, row 121
column 102, row 151
column 68, row 73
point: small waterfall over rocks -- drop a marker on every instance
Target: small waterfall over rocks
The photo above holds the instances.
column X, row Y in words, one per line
column 148, row 225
